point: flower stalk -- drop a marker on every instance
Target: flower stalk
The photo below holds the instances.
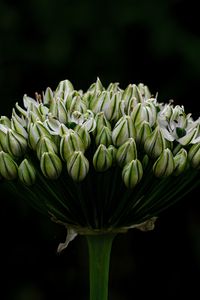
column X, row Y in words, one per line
column 99, row 246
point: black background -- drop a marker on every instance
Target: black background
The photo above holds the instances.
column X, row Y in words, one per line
column 154, row 42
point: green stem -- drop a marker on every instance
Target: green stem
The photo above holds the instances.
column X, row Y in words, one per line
column 99, row 260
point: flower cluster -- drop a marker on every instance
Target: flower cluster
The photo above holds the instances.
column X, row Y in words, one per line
column 104, row 158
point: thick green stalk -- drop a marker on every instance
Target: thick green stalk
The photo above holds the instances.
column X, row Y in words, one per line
column 99, row 260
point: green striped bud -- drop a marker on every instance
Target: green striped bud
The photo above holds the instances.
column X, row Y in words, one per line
column 188, row 137
column 45, row 145
column 77, row 166
column 143, row 130
column 194, row 156
column 102, row 159
column 64, row 88
column 35, row 132
column 123, row 130
column 50, row 165
column 113, row 152
column 164, row 165
column 180, row 162
column 16, row 143
column 155, row 143
column 97, row 102
column 8, row 167
column 132, row 173
column 100, row 122
column 84, row 135
column 48, row 96
column 58, row 110
column 104, row 136
column 126, row 152
column 27, row 173
column 111, row 106
column 5, row 121
column 77, row 104
column 3, row 133
column 17, row 126
column 69, row 143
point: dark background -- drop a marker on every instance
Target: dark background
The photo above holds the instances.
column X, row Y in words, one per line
column 154, row 42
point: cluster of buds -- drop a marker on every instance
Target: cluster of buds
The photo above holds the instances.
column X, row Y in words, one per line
column 78, row 133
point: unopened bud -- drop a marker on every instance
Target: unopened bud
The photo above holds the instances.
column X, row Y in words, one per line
column 45, row 145
column 69, row 143
column 8, row 167
column 36, row 131
column 84, row 135
column 123, row 130
column 16, row 143
column 164, row 165
column 100, row 122
column 58, row 110
column 180, row 162
column 143, row 130
column 113, row 152
column 126, row 152
column 102, row 159
column 77, row 166
column 194, row 156
column 50, row 165
column 155, row 143
column 64, row 88
column 5, row 121
column 17, row 126
column 27, row 173
column 104, row 136
column 132, row 173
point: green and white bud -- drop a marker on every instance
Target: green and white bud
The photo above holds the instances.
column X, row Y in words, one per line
column 8, row 167
column 180, row 162
column 84, row 135
column 188, row 137
column 36, row 131
column 194, row 156
column 48, row 96
column 69, row 143
column 17, row 126
column 77, row 166
column 126, row 152
column 113, row 152
column 143, row 130
column 58, row 110
column 101, row 121
column 123, row 130
column 155, row 143
column 5, row 121
column 27, row 173
column 77, row 104
column 50, row 165
column 102, row 159
column 3, row 133
column 164, row 165
column 64, row 88
column 104, row 136
column 45, row 144
column 16, row 143
column 111, row 106
column 132, row 173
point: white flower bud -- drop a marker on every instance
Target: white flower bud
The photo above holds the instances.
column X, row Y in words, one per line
column 102, row 159
column 155, row 143
column 180, row 162
column 35, row 132
column 17, row 126
column 113, row 152
column 194, row 156
column 50, row 165
column 64, row 88
column 48, row 96
column 104, row 136
column 164, row 165
column 8, row 167
column 132, row 173
column 58, row 110
column 77, row 166
column 3, row 133
column 84, row 135
column 45, row 145
column 5, row 121
column 143, row 130
column 77, row 105
column 126, row 152
column 101, row 121
column 27, row 173
column 69, row 143
column 16, row 143
column 123, row 130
